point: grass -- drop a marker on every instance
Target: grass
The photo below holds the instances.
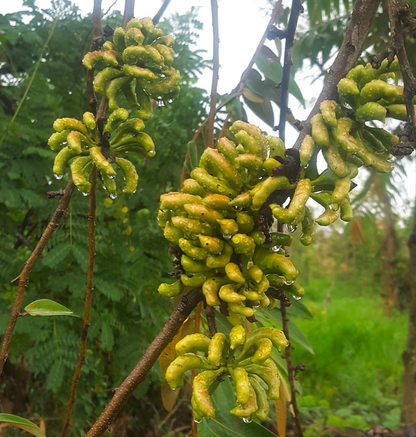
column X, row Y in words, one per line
column 355, row 377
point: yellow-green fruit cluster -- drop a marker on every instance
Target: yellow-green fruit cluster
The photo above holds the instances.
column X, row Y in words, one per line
column 77, row 141
column 214, row 221
column 346, row 145
column 246, row 358
column 137, row 65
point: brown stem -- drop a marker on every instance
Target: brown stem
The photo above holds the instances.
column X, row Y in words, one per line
column 215, row 70
column 290, row 369
column 351, row 48
column 124, row 391
column 128, row 11
column 160, row 12
column 24, row 275
column 290, row 36
column 397, row 10
column 212, row 326
column 88, row 299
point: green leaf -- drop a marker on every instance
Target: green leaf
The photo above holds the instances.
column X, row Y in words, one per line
column 55, row 376
column 224, row 424
column 193, row 155
column 297, row 335
column 57, row 254
column 24, row 424
column 46, row 307
column 225, row 100
column 235, row 108
column 299, row 310
column 263, row 110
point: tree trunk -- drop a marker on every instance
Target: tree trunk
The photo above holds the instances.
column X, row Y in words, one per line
column 409, row 355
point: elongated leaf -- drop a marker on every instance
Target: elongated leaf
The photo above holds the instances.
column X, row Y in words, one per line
column 235, row 108
column 253, row 97
column 264, row 110
column 224, row 424
column 46, row 307
column 299, row 310
column 193, row 155
column 22, row 423
column 225, row 100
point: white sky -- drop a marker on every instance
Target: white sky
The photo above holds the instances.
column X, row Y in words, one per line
column 241, row 25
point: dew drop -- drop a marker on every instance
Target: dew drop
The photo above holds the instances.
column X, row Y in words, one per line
column 297, row 297
column 257, row 306
column 197, row 421
column 288, row 282
column 57, row 176
column 226, row 236
column 69, row 92
column 49, row 183
column 247, row 420
column 291, row 228
column 113, row 196
column 276, row 248
column 85, row 193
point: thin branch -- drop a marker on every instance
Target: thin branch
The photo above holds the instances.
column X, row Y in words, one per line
column 290, row 369
column 128, row 11
column 160, row 12
column 96, row 41
column 24, row 275
column 351, row 48
column 29, row 85
column 397, row 12
column 55, row 194
column 290, row 36
column 150, row 356
column 210, row 314
column 215, row 72
column 88, row 300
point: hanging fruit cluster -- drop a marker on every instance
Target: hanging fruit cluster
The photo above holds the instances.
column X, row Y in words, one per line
column 245, row 358
column 136, row 67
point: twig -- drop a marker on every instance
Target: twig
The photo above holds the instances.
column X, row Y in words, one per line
column 88, row 299
column 128, row 11
column 398, row 10
column 215, row 71
column 25, row 241
column 290, row 369
column 212, row 326
column 351, row 48
column 29, row 85
column 284, row 95
column 55, row 194
column 91, row 221
column 160, row 12
column 24, row 275
column 124, row 391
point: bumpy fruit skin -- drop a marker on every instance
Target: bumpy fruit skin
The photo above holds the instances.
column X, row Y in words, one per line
column 255, row 376
column 138, row 65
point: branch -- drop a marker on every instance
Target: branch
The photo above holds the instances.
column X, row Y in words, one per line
column 290, row 368
column 215, row 70
column 351, row 48
column 210, row 314
column 24, row 275
column 88, row 299
column 160, row 12
column 150, row 356
column 290, row 36
column 398, row 11
column 128, row 11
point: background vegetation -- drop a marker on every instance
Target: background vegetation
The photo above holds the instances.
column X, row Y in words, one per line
column 352, row 335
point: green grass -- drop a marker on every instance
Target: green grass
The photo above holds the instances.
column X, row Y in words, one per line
column 355, row 377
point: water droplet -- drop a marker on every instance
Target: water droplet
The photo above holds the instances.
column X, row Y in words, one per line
column 113, row 196
column 247, row 420
column 226, row 236
column 173, row 389
column 291, row 228
column 288, row 282
column 110, row 176
column 85, row 193
column 57, row 176
column 297, row 297
column 49, row 183
column 69, row 92
column 170, row 100
column 276, row 248
column 197, row 421
column 257, row 306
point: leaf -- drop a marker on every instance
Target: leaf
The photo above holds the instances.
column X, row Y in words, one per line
column 225, row 100
column 169, row 396
column 281, row 414
column 235, row 108
column 193, row 155
column 24, row 424
column 57, row 254
column 45, row 307
column 297, row 335
column 262, row 110
column 253, row 97
column 299, row 310
column 107, row 337
column 55, row 376
column 357, row 230
column 224, row 424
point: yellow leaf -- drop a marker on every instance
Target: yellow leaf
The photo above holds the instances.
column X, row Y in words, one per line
column 280, row 409
column 253, row 97
column 169, row 396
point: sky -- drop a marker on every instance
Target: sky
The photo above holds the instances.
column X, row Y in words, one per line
column 241, row 25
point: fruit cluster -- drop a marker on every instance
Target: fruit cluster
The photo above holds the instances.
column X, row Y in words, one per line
column 245, row 358
column 138, row 66
column 76, row 139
